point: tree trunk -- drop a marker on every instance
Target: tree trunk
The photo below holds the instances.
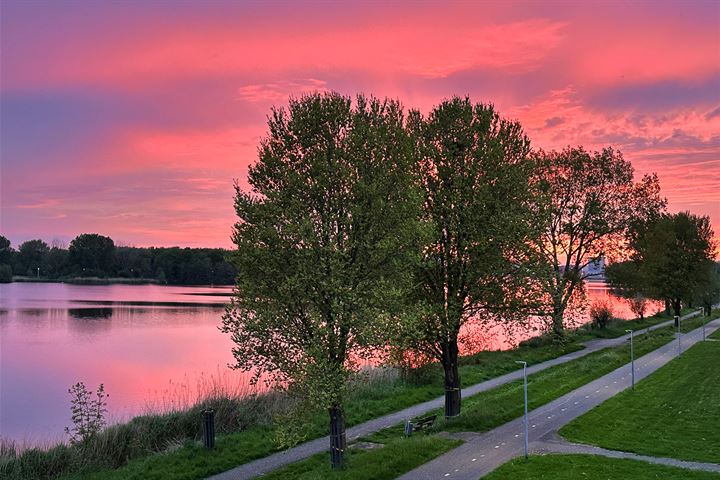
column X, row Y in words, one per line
column 452, row 379
column 677, row 308
column 667, row 306
column 558, row 328
column 337, row 437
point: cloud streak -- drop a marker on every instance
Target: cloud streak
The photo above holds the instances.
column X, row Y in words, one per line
column 135, row 121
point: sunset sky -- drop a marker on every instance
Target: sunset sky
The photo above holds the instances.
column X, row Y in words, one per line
column 131, row 119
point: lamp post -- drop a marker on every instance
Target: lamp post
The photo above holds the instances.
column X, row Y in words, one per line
column 677, row 322
column 632, row 359
column 524, row 364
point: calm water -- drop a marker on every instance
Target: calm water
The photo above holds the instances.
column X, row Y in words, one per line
column 134, row 339
column 148, row 344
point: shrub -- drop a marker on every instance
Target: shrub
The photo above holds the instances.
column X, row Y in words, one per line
column 88, row 413
column 638, row 305
column 600, row 315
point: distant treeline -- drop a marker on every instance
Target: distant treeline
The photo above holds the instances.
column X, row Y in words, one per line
column 93, row 255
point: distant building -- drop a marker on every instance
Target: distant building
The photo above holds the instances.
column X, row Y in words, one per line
column 595, row 270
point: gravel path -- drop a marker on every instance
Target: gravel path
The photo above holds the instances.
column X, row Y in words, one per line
column 483, row 453
column 280, row 459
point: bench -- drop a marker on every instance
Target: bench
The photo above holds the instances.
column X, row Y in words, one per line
column 419, row 424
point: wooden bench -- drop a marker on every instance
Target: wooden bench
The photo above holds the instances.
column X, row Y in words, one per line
column 419, row 424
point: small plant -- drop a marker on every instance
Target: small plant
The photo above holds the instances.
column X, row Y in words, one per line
column 638, row 305
column 601, row 315
column 88, row 412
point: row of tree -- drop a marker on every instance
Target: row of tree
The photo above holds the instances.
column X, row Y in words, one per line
column 670, row 259
column 93, row 255
column 367, row 228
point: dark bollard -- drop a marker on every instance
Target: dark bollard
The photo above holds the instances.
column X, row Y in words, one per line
column 209, row 428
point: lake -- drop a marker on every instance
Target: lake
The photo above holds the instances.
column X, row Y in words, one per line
column 152, row 346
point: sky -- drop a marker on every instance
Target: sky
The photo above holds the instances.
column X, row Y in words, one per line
column 133, row 119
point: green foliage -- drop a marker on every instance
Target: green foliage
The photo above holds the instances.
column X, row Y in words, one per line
column 593, row 205
column 6, row 251
column 672, row 413
column 95, row 261
column 672, row 258
column 592, row 467
column 92, row 254
column 5, row 274
column 474, row 172
column 88, row 413
column 324, row 238
column 30, row 257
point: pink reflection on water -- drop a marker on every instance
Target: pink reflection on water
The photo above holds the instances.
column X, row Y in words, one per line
column 154, row 348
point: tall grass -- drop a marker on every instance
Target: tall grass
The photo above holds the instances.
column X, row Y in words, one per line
column 171, row 422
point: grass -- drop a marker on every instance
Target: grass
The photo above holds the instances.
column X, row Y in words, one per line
column 617, row 328
column 481, row 412
column 590, row 467
column 490, row 409
column 675, row 412
column 716, row 334
column 256, row 434
column 397, row 456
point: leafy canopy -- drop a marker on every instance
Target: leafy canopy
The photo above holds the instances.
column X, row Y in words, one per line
column 324, row 238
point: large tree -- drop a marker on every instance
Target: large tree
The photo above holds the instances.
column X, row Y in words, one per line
column 475, row 174
column 324, row 239
column 672, row 258
column 6, row 251
column 594, row 203
column 92, row 253
column 31, row 255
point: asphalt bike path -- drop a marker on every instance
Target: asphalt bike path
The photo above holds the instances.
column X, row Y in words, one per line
column 301, row 452
column 483, row 453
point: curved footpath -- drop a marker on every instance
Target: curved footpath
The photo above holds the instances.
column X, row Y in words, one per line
column 483, row 453
column 280, row 459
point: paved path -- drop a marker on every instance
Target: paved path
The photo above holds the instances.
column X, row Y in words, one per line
column 556, row 444
column 319, row 445
column 483, row 453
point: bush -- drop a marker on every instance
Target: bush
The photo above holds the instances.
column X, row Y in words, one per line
column 5, row 274
column 600, row 315
column 88, row 413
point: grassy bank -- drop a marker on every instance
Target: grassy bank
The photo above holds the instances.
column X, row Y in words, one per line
column 251, row 427
column 590, row 467
column 675, row 412
column 489, row 409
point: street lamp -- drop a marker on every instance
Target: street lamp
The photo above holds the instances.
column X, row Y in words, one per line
column 524, row 364
column 632, row 358
column 677, row 322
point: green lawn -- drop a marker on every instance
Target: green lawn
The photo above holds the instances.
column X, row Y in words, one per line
column 371, row 400
column 675, row 412
column 590, row 467
column 716, row 334
column 399, row 455
column 617, row 328
column 481, row 412
column 495, row 407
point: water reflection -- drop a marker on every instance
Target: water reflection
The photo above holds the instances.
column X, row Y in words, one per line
column 137, row 340
column 84, row 313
